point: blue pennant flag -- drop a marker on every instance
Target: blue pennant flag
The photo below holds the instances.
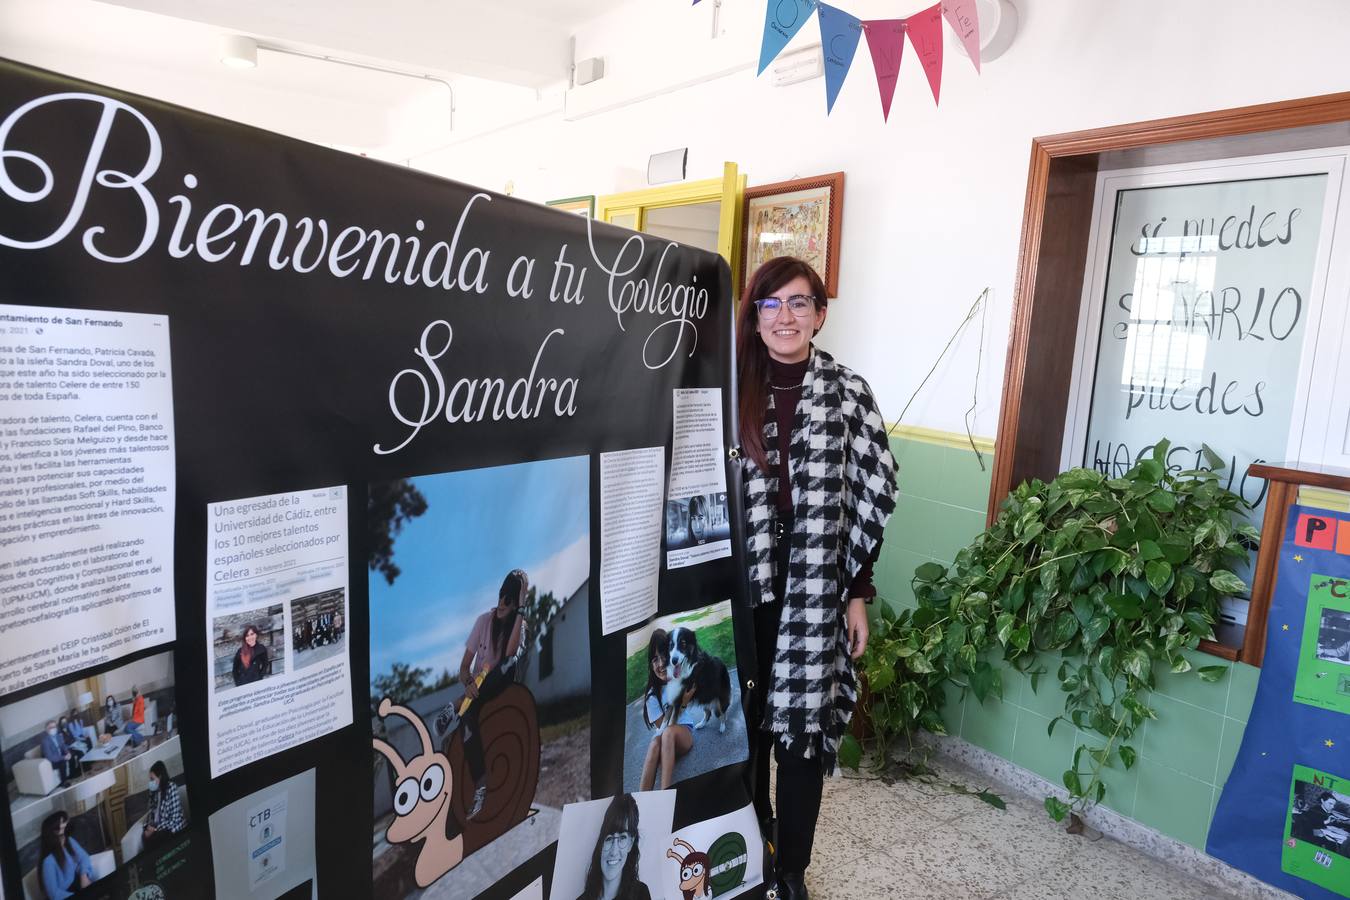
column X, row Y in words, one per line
column 839, row 34
column 782, row 20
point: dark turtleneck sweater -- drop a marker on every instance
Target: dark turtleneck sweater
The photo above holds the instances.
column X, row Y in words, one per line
column 785, row 381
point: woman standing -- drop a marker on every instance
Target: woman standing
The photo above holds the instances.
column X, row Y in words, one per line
column 613, row 873
column 819, row 483
column 250, row 660
column 165, row 816
column 63, row 866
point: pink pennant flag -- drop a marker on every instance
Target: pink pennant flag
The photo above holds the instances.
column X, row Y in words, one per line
column 925, row 33
column 886, row 40
column 964, row 17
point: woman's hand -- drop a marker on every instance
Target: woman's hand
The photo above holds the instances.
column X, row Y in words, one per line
column 857, row 626
column 471, row 688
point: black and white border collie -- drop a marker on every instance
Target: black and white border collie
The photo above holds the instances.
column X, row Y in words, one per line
column 692, row 666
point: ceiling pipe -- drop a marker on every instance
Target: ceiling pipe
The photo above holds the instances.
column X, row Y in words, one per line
column 242, row 52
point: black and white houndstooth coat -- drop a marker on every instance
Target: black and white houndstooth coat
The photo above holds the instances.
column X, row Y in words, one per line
column 843, row 493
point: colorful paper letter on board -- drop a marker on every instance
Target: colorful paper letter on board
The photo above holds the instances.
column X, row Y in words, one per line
column 1318, row 532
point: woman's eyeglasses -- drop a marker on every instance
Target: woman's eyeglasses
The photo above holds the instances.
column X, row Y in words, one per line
column 623, row 839
column 798, row 304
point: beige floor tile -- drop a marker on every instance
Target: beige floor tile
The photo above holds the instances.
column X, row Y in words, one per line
column 972, row 868
column 885, row 877
column 1028, row 840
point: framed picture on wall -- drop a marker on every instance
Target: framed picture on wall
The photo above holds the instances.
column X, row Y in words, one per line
column 798, row 218
column 582, row 206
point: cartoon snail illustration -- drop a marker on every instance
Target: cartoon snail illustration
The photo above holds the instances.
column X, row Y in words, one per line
column 423, row 787
column 694, row 873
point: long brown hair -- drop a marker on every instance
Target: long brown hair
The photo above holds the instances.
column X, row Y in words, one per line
column 245, row 651
column 752, row 357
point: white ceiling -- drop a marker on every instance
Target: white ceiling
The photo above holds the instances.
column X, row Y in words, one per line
column 499, row 51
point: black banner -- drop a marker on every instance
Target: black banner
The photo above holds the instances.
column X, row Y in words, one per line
column 425, row 352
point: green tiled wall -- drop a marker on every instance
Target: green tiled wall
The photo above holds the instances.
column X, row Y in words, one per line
column 1184, row 755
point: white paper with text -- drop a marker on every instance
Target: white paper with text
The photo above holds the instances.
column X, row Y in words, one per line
column 86, row 489
column 278, row 658
column 630, row 535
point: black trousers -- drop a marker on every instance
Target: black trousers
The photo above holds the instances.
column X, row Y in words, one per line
column 495, row 682
column 800, row 781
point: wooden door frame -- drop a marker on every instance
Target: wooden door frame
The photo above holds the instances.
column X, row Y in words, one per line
column 1052, row 260
column 1052, row 255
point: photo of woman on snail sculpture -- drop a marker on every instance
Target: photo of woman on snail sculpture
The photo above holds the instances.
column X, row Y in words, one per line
column 480, row 661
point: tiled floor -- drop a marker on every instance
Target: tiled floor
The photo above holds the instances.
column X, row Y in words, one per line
column 912, row 840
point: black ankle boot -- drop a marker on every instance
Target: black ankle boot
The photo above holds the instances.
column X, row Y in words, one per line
column 792, row 886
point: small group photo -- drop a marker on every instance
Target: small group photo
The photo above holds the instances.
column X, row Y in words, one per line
column 318, row 627
column 248, row 646
column 94, row 772
column 683, row 713
column 1321, row 817
column 1333, row 636
column 614, row 848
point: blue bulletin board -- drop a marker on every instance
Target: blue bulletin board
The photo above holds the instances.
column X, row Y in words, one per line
column 1284, row 814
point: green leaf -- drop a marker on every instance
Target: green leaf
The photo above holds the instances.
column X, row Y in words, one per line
column 1124, row 606
column 1057, row 809
column 1083, row 608
column 1050, row 729
column 1072, row 783
column 1149, row 470
column 1158, row 572
column 1211, row 673
column 1137, row 663
column 850, row 752
column 1162, row 501
column 992, row 799
column 1180, row 664
column 1004, row 626
column 1160, row 451
column 1021, row 637
column 1149, row 550
column 880, row 679
column 1139, row 711
column 1066, row 626
column 1175, row 551
column 1127, row 755
column 1212, row 459
column 930, row 571
column 1017, row 595
column 1093, row 631
column 919, row 664
column 1226, row 583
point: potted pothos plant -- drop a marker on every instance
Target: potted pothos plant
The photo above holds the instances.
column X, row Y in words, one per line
column 1119, row 575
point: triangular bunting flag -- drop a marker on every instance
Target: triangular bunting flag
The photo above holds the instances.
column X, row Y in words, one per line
column 886, row 40
column 782, row 20
column 925, row 33
column 964, row 17
column 839, row 34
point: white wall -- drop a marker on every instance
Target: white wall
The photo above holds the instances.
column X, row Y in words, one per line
column 933, row 203
column 149, row 674
column 28, row 717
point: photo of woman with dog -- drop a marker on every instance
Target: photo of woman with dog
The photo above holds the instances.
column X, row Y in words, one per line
column 673, row 739
column 817, row 472
column 683, row 715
